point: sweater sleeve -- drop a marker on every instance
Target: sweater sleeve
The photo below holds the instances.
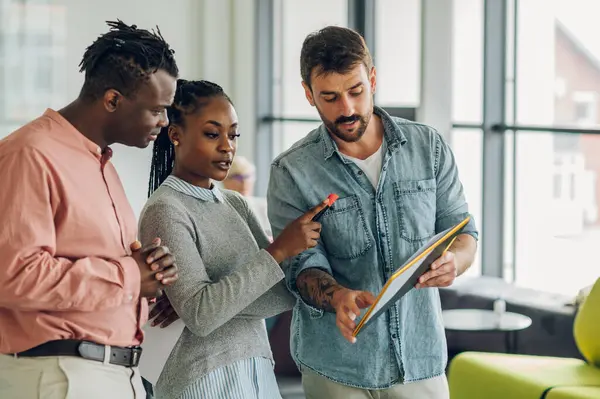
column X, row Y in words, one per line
column 275, row 301
column 278, row 299
column 203, row 304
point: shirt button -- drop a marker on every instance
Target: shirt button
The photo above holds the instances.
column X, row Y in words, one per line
column 65, row 306
column 360, row 172
column 394, row 336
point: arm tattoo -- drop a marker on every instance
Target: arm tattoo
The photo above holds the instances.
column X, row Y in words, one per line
column 317, row 288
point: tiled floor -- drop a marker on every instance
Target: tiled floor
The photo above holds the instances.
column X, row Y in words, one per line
column 290, row 388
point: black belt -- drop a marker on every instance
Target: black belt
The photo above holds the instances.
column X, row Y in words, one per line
column 128, row 357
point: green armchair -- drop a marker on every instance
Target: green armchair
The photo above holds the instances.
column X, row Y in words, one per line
column 503, row 376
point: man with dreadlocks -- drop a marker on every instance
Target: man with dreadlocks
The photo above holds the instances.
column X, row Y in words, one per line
column 74, row 279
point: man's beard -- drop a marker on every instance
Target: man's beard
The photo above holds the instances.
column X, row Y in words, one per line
column 349, row 137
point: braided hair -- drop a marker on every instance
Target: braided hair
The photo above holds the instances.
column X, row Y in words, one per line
column 190, row 96
column 123, row 58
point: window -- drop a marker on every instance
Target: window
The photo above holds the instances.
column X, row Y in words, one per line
column 398, row 52
column 294, row 20
column 556, row 185
column 466, row 145
column 467, row 58
column 557, row 228
column 467, row 98
column 397, row 56
column 291, row 132
column 33, row 43
column 397, row 36
column 585, row 105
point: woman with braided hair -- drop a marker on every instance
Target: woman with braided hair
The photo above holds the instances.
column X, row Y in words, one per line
column 230, row 278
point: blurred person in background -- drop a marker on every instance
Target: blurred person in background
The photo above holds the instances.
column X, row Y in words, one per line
column 241, row 178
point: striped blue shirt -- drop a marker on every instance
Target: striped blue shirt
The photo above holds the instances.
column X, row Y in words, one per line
column 246, row 379
column 211, row 195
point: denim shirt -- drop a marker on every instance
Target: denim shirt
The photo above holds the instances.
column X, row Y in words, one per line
column 366, row 236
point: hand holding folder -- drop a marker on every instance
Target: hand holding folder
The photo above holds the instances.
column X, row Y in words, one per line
column 406, row 277
column 443, row 270
column 348, row 304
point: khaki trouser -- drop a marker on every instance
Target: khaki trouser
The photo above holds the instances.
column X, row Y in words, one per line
column 65, row 377
column 317, row 387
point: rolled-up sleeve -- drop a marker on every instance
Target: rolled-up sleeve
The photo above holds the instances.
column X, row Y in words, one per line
column 451, row 205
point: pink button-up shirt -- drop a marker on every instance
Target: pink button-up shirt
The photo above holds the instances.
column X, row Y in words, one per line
column 65, row 231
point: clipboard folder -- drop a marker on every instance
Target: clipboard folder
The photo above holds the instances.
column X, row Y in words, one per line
column 406, row 277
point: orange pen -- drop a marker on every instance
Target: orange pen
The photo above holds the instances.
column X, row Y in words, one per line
column 331, row 198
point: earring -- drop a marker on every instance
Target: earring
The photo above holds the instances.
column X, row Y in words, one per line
column 175, row 142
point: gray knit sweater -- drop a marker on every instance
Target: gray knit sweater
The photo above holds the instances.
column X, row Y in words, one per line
column 227, row 282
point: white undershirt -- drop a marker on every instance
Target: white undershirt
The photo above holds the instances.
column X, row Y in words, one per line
column 371, row 166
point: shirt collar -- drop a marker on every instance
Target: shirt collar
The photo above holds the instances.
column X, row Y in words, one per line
column 75, row 137
column 394, row 136
column 204, row 194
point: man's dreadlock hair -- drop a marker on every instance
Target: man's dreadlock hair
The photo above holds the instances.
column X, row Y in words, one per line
column 190, row 97
column 123, row 58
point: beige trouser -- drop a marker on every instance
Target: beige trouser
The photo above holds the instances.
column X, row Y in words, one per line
column 65, row 377
column 317, row 387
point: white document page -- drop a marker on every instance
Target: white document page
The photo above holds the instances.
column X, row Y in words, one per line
column 157, row 346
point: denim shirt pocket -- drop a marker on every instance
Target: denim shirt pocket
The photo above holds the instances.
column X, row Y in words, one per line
column 416, row 204
column 344, row 230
